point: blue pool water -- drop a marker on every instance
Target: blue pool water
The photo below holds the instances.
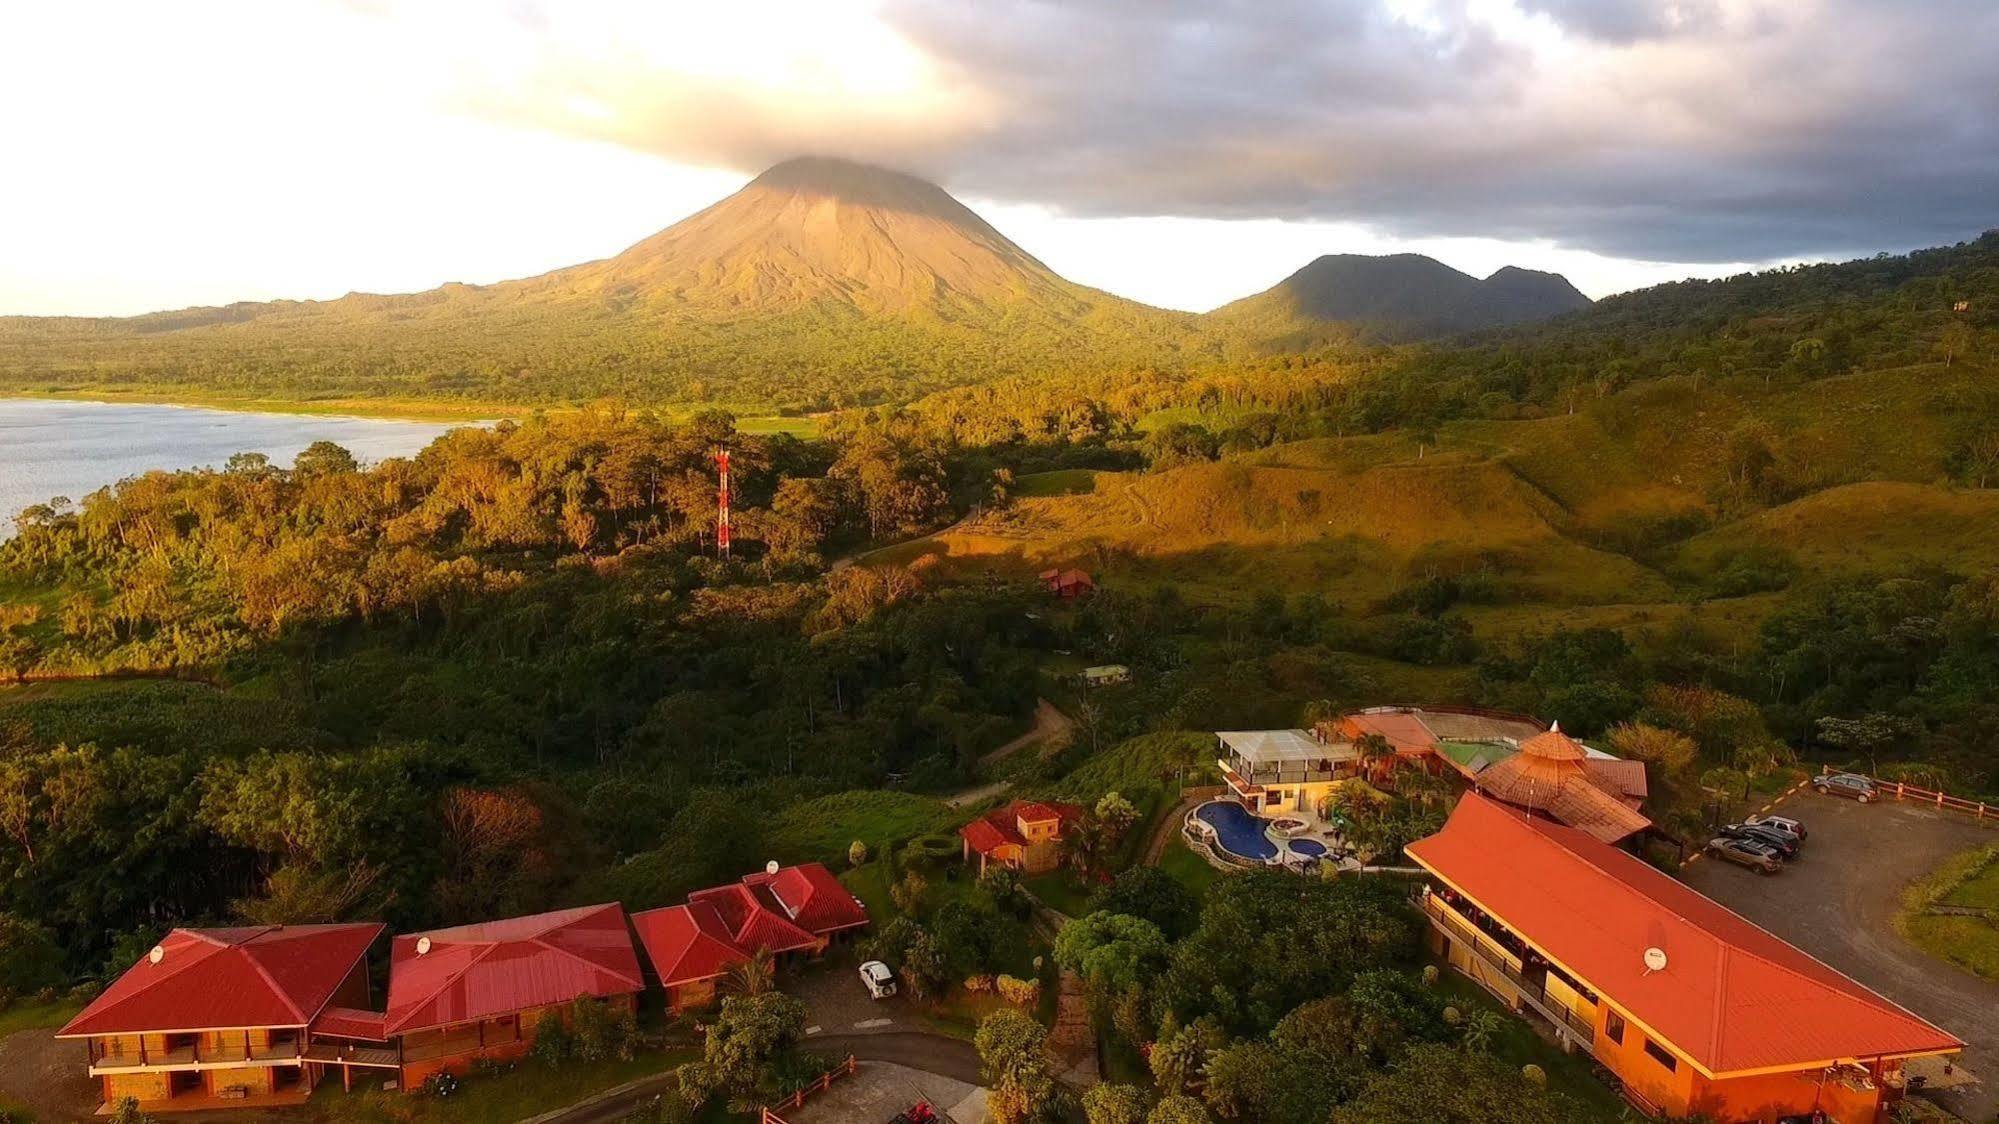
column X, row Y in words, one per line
column 1309, row 847
column 1239, row 831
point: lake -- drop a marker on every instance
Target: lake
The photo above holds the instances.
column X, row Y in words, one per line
column 55, row 448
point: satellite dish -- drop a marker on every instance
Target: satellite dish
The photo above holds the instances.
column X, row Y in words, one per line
column 770, row 867
column 158, row 954
column 422, row 945
column 1655, row 960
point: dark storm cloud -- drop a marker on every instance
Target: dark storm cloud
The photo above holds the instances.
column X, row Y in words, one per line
column 1677, row 130
column 1664, row 130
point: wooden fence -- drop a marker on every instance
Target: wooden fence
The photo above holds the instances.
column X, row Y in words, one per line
column 1935, row 799
column 797, row 1100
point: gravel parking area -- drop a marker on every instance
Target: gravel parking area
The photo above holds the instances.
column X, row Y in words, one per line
column 882, row 1089
column 1838, row 901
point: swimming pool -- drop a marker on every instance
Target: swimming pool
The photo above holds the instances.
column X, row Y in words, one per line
column 1310, row 848
column 1237, row 830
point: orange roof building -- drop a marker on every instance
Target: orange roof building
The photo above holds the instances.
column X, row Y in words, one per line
column 792, row 910
column 1067, row 584
column 1025, row 835
column 213, row 1018
column 1553, row 774
column 1696, row 1010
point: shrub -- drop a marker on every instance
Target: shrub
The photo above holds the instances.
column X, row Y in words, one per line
column 1114, row 1104
column 30, row 959
column 1534, row 1075
column 979, row 985
column 857, row 853
column 553, row 1044
column 1019, row 992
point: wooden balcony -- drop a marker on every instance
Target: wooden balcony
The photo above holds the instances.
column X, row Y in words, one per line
column 211, row 1055
column 1532, row 992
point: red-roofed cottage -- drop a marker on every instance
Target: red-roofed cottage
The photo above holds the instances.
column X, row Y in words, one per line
column 795, row 910
column 1025, row 835
column 219, row 1017
column 1067, row 584
column 480, row 991
column 1696, row 1010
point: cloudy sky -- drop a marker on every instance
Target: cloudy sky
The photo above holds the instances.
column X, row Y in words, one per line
column 1178, row 152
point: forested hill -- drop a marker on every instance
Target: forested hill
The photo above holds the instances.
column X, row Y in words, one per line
column 1791, row 324
column 821, row 284
column 1397, row 297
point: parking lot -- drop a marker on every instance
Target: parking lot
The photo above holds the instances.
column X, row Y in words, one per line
column 1838, row 900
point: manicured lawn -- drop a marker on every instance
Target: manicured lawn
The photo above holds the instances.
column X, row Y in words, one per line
column 1190, row 869
column 26, row 1014
column 870, row 884
column 1518, row 1045
column 531, row 1089
column 1061, row 891
column 1969, row 879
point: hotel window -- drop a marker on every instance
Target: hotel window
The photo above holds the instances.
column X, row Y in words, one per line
column 1661, row 1056
column 1613, row 1027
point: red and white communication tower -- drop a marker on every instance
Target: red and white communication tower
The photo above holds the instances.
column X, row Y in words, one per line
column 722, row 503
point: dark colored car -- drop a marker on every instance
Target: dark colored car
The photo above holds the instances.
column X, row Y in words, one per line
column 1853, row 786
column 1781, row 842
column 1759, row 857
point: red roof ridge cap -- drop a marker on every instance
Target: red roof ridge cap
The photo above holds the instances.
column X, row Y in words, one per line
column 542, row 940
column 277, row 989
column 380, row 928
column 485, row 949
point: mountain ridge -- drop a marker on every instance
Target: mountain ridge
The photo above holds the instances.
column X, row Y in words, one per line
column 1393, row 298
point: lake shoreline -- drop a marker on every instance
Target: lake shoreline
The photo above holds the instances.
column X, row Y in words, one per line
column 390, row 409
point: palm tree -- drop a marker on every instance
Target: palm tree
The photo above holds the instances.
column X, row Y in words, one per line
column 754, row 976
column 1372, row 752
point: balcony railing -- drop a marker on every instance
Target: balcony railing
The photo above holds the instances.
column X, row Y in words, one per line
column 1301, row 773
column 1532, row 993
column 196, row 1055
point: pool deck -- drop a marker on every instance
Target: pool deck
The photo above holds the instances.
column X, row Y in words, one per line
column 1281, row 852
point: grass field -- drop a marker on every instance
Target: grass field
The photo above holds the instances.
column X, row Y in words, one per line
column 531, row 1089
column 821, row 830
column 1061, row 482
column 1060, row 891
column 26, row 1014
column 1186, row 867
column 1968, row 880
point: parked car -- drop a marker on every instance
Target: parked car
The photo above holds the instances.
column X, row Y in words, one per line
column 879, row 980
column 1757, row 856
column 1782, row 823
column 1779, row 841
column 1853, row 786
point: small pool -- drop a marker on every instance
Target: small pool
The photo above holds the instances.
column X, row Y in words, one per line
column 1240, row 832
column 1310, row 848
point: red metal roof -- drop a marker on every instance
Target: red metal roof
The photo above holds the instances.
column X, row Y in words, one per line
column 351, row 1022
column 498, row 967
column 213, row 979
column 1001, row 826
column 1404, row 731
column 792, row 908
column 687, row 942
column 816, row 900
column 1732, row 997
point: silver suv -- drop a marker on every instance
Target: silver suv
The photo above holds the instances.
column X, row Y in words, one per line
column 1853, row 786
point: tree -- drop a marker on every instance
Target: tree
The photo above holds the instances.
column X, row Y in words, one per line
column 1179, row 1056
column 30, row 959
column 1672, row 752
column 324, row 458
column 1865, row 736
column 1956, row 340
column 1435, row 1084
column 749, row 1033
column 1114, row 1104
column 1372, row 753
column 1112, row 952
column 1178, row 1108
column 754, row 976
column 1153, row 894
column 1114, row 815
column 1013, row 1061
